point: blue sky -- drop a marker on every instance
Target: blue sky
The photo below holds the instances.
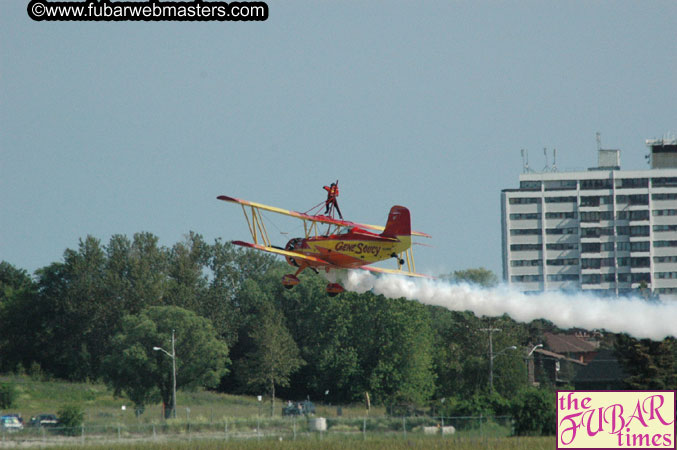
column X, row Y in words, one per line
column 110, row 128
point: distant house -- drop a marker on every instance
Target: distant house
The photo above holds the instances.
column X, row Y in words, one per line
column 578, row 346
column 555, row 368
column 603, row 373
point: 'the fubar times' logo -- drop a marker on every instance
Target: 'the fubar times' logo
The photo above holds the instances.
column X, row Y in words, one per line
column 616, row 419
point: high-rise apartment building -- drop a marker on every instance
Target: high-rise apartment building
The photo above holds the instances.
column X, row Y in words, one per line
column 603, row 230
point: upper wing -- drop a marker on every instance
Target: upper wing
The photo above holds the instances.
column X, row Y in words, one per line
column 320, row 219
column 281, row 252
column 395, row 272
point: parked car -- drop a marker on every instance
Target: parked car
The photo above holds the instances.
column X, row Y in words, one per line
column 10, row 423
column 305, row 407
column 44, row 420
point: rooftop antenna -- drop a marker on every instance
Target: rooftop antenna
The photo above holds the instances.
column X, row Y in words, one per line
column 525, row 161
column 545, row 153
column 599, row 140
column 554, row 160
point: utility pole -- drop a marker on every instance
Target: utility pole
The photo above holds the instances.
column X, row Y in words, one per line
column 491, row 355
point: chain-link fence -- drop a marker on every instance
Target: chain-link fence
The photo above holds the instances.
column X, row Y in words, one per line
column 286, row 428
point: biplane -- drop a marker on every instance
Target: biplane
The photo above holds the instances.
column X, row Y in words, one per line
column 343, row 245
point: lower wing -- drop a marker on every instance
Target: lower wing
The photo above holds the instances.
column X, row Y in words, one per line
column 279, row 251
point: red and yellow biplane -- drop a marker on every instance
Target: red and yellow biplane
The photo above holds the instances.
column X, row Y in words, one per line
column 344, row 244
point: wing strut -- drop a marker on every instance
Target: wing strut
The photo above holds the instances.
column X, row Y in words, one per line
column 256, row 226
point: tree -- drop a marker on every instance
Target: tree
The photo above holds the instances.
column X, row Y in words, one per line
column 18, row 311
column 7, row 395
column 650, row 364
column 275, row 355
column 480, row 276
column 534, row 412
column 146, row 375
column 70, row 419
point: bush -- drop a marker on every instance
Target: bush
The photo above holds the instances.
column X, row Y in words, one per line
column 70, row 418
column 534, row 412
column 7, row 395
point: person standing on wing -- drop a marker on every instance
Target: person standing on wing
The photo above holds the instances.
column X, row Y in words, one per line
column 332, row 193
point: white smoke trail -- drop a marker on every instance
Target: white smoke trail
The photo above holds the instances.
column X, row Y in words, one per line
column 634, row 316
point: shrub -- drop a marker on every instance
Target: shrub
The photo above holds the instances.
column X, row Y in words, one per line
column 70, row 418
column 534, row 412
column 7, row 395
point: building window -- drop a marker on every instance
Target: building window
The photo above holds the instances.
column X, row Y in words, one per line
column 563, row 277
column 525, row 247
column 622, row 215
column 664, row 212
column 590, row 263
column 570, row 230
column 665, row 243
column 665, row 227
column 590, row 247
column 629, row 183
column 526, row 278
column 666, row 275
column 665, row 259
column 639, row 215
column 590, row 200
column 596, row 184
column 639, row 277
column 562, row 246
column 608, row 278
column 560, row 199
column 525, row 231
column 590, row 232
column 642, row 246
column 559, row 185
column 642, row 230
column 624, row 278
column 622, row 230
column 623, row 246
column 663, row 182
column 561, row 215
column 530, row 185
column 524, row 216
column 639, row 262
column 526, row 262
column 591, row 216
column 563, row 262
column 591, row 278
column 607, row 246
column 524, row 200
column 664, row 196
column 639, row 199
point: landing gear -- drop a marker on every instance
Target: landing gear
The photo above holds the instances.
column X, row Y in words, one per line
column 334, row 289
column 289, row 281
column 399, row 260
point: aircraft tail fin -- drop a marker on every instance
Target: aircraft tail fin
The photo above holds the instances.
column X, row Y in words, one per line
column 399, row 222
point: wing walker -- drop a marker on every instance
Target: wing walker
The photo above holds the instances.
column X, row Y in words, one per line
column 343, row 245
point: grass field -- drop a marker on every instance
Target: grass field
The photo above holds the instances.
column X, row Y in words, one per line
column 102, row 408
column 207, row 420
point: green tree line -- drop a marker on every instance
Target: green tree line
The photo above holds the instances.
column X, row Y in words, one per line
column 99, row 313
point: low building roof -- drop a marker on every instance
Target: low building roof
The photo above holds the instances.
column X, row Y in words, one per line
column 567, row 343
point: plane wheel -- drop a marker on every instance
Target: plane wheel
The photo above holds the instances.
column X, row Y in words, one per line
column 332, row 294
column 401, row 262
column 288, row 286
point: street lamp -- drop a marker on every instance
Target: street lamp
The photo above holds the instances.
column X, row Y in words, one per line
column 491, row 363
column 530, row 365
column 173, row 356
column 535, row 347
